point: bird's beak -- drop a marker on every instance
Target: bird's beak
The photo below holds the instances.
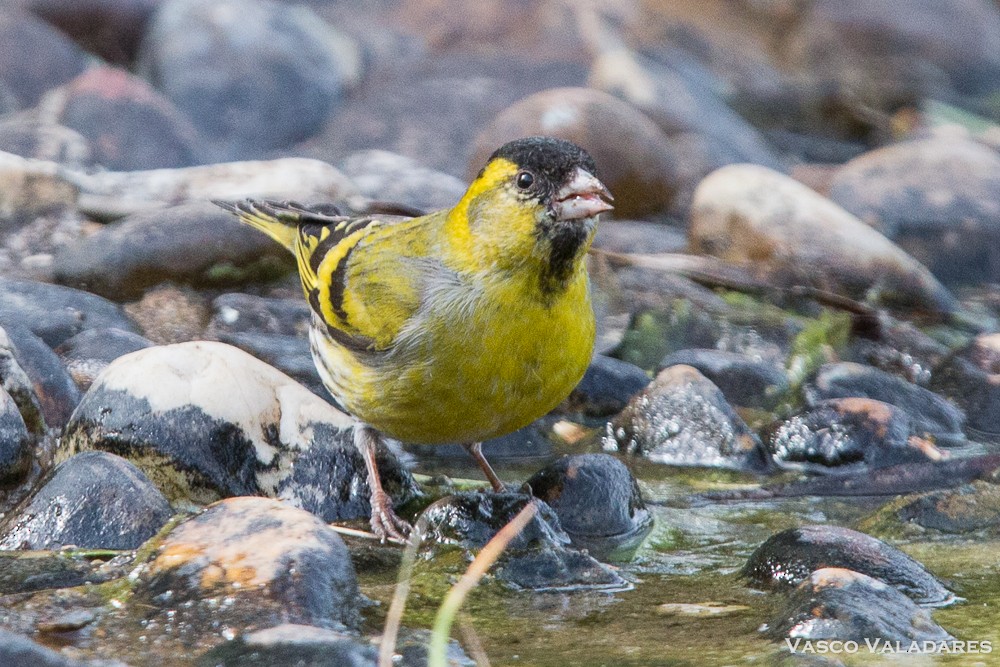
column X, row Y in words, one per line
column 582, row 197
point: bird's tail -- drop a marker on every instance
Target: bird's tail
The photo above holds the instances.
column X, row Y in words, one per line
column 269, row 217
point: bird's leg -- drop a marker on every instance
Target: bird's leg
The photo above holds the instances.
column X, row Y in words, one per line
column 475, row 450
column 384, row 522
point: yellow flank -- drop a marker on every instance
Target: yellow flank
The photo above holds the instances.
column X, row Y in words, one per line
column 447, row 327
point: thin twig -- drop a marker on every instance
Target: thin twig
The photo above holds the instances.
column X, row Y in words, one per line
column 394, row 617
column 456, row 596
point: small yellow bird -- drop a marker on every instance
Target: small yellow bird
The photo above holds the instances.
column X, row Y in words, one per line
column 457, row 326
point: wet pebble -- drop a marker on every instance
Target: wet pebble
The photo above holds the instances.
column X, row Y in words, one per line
column 170, row 314
column 744, row 380
column 129, row 125
column 89, row 352
column 936, row 198
column 633, row 156
column 836, row 603
column 388, row 177
column 170, row 409
column 598, row 504
column 247, row 313
column 93, row 500
column 606, row 387
column 15, row 446
column 931, row 415
column 786, row 559
column 226, row 64
column 847, row 434
column 56, row 313
column 530, row 443
column 289, row 354
column 291, row 644
column 54, row 59
column 790, row 235
column 538, row 558
column 277, row 564
column 193, row 244
column 683, row 419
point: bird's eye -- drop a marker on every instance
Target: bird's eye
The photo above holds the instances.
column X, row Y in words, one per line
column 524, row 180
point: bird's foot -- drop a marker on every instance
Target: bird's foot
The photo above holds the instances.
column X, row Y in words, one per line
column 384, row 522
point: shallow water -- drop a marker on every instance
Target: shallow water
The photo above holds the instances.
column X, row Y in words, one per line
column 688, row 604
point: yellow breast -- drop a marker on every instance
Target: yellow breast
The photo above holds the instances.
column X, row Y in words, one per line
column 483, row 362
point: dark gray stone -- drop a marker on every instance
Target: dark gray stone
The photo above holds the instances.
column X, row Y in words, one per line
column 537, row 558
column 834, row 603
column 54, row 58
column 15, row 446
column 388, row 177
column 844, row 435
column 606, row 388
column 787, row 558
column 598, row 504
column 57, row 394
column 56, row 313
column 195, row 244
column 744, row 380
column 931, row 415
column 93, row 500
column 252, row 75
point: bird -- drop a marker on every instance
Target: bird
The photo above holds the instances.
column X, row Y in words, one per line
column 456, row 326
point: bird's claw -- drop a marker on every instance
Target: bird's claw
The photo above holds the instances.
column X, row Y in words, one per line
column 384, row 522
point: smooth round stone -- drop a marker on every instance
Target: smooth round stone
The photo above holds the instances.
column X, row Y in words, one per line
column 683, row 419
column 291, row 644
column 744, row 380
column 192, row 244
column 931, row 415
column 57, row 394
column 205, row 421
column 93, row 500
column 247, row 313
column 289, row 354
column 280, row 563
column 788, row 234
column 786, row 559
column 53, row 60
column 89, row 352
column 539, row 557
column 633, row 156
column 15, row 446
column 606, row 387
column 130, row 126
column 936, row 198
column 972, row 379
column 835, row 603
column 844, row 435
column 55, row 313
column 253, row 75
column 598, row 504
column 388, row 177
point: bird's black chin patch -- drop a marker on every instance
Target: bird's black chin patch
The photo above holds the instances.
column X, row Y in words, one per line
column 564, row 241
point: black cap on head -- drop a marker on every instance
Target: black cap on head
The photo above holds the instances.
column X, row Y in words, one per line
column 550, row 158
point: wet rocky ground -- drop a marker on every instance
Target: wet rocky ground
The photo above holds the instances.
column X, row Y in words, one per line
column 789, row 435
